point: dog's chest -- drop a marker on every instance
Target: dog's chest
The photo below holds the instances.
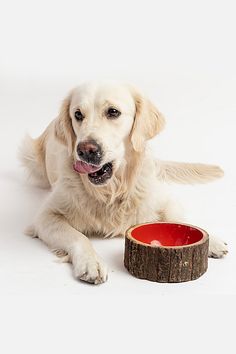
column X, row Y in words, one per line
column 115, row 218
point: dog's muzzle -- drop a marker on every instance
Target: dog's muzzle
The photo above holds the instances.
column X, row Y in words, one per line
column 90, row 152
column 90, row 157
column 97, row 175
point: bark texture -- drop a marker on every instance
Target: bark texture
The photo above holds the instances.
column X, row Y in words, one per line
column 166, row 264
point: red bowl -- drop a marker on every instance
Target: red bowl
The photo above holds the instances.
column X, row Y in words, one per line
column 167, row 234
column 166, row 252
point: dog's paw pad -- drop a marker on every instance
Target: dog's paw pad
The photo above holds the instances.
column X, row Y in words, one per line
column 59, row 252
column 63, row 256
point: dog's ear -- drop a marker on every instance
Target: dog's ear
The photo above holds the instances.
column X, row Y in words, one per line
column 148, row 122
column 63, row 126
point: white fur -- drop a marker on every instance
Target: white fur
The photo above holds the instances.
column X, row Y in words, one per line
column 76, row 209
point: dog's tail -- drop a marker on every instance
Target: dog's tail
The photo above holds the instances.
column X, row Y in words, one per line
column 187, row 173
column 31, row 154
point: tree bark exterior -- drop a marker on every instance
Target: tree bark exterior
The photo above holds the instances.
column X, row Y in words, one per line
column 166, row 264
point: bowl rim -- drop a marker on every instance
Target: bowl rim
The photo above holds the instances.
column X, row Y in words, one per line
column 205, row 235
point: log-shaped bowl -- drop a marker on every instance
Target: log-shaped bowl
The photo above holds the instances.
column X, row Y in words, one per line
column 166, row 252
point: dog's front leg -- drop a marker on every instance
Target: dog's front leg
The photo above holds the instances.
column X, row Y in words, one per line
column 53, row 228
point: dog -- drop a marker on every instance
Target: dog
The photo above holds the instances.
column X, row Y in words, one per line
column 102, row 177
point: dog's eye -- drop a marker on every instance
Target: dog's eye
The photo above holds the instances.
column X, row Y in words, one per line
column 78, row 115
column 113, row 113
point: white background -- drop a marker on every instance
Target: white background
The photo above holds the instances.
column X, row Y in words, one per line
column 182, row 54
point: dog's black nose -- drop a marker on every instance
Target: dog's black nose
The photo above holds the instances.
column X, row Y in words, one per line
column 90, row 152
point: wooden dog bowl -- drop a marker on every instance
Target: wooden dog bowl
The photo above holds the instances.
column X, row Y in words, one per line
column 166, row 252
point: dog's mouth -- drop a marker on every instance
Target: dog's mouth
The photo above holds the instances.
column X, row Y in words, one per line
column 96, row 174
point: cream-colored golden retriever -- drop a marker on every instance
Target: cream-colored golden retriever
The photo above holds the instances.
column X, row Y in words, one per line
column 102, row 178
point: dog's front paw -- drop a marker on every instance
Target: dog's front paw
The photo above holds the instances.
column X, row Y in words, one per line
column 217, row 248
column 89, row 267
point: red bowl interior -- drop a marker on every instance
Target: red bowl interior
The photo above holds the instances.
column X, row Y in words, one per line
column 165, row 234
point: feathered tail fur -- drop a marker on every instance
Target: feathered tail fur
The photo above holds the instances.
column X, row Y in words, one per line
column 187, row 173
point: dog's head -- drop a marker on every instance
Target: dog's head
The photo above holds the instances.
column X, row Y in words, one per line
column 99, row 123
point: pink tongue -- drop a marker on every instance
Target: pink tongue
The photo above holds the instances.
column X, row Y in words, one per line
column 83, row 167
